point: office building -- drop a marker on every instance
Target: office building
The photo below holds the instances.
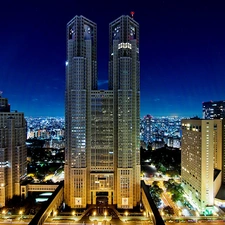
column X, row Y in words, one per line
column 202, row 161
column 213, row 110
column 146, row 129
column 4, row 106
column 13, row 154
column 102, row 127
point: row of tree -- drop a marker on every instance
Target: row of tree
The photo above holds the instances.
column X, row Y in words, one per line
column 174, row 188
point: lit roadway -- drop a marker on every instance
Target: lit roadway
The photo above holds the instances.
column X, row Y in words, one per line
column 171, row 204
column 177, row 217
column 165, row 198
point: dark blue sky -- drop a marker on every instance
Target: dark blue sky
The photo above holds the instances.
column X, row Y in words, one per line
column 182, row 52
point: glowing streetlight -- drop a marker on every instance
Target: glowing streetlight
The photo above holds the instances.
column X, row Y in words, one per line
column 21, row 213
column 105, row 213
column 126, row 214
column 3, row 212
column 74, row 214
column 94, row 214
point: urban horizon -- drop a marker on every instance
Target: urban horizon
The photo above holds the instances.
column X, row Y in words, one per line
column 181, row 54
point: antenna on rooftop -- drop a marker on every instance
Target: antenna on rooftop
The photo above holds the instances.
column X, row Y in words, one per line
column 132, row 14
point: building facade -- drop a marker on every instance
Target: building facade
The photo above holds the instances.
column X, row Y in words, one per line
column 146, row 129
column 202, row 160
column 13, row 153
column 213, row 110
column 102, row 156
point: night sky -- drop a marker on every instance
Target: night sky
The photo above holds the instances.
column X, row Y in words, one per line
column 182, row 52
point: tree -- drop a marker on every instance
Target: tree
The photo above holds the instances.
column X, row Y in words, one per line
column 166, row 183
column 168, row 210
column 155, row 183
column 176, row 196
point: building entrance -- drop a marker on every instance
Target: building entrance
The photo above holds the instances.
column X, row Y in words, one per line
column 102, row 201
column 102, row 198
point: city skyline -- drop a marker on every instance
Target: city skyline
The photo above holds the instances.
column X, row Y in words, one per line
column 181, row 52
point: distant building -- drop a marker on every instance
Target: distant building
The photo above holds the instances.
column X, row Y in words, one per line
column 173, row 142
column 13, row 154
column 146, row 129
column 158, row 131
column 102, row 127
column 4, row 106
column 202, row 161
column 213, row 110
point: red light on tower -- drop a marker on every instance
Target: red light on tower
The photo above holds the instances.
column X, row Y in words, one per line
column 132, row 14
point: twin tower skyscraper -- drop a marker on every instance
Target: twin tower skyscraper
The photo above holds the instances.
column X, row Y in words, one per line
column 102, row 155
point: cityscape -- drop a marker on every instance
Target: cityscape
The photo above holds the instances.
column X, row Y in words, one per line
column 110, row 159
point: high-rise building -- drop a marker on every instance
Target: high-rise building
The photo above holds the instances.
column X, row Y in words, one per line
column 102, row 127
column 202, row 160
column 4, row 106
column 13, row 154
column 146, row 129
column 213, row 110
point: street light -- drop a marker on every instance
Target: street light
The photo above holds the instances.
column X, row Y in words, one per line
column 21, row 213
column 126, row 214
column 74, row 214
column 94, row 214
column 105, row 213
column 3, row 213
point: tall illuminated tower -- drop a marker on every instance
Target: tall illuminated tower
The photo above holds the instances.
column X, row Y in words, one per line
column 81, row 78
column 102, row 126
column 124, row 80
column 13, row 153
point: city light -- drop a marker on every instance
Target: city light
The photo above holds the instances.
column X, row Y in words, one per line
column 21, row 213
column 126, row 214
column 3, row 212
column 105, row 214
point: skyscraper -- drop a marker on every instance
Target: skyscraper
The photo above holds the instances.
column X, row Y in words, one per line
column 202, row 161
column 13, row 154
column 146, row 129
column 102, row 126
column 213, row 110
